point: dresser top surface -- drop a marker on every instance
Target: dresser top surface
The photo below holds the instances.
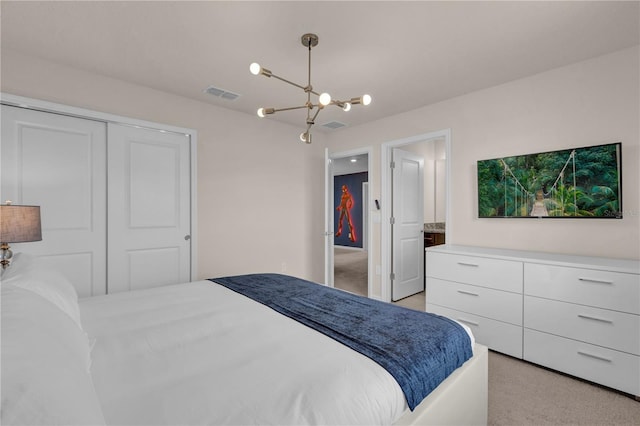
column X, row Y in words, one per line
column 629, row 266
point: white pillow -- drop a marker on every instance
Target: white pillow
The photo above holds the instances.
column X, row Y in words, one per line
column 36, row 275
column 44, row 370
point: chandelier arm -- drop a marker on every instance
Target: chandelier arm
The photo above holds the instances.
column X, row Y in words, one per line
column 295, row 84
column 313, row 120
column 290, row 108
column 287, row 81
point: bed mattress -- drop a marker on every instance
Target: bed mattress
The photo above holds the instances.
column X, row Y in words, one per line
column 199, row 353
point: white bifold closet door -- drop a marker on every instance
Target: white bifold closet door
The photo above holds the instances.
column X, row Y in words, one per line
column 115, row 199
column 59, row 163
column 149, row 214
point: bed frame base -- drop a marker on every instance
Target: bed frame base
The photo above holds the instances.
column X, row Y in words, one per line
column 462, row 399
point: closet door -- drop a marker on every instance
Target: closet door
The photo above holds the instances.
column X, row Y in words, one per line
column 149, row 214
column 59, row 163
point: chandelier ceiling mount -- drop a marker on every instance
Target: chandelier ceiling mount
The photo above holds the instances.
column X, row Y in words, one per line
column 324, row 99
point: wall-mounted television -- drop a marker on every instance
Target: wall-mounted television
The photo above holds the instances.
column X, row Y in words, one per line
column 571, row 183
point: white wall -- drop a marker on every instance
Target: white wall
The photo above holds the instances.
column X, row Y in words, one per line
column 256, row 206
column 588, row 103
column 260, row 192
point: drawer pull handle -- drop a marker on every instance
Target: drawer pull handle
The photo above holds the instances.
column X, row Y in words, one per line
column 601, row 358
column 591, row 280
column 595, row 318
column 468, row 292
column 475, row 265
column 466, row 321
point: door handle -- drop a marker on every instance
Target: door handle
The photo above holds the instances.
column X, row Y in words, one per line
column 187, row 237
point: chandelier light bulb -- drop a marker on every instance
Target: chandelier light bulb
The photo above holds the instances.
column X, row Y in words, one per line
column 366, row 100
column 346, row 106
column 255, row 68
column 303, row 136
column 325, row 99
column 261, row 112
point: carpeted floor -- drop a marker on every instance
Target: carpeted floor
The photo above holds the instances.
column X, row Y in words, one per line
column 350, row 270
column 525, row 394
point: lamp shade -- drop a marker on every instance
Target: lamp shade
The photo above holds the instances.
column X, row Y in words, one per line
column 20, row 224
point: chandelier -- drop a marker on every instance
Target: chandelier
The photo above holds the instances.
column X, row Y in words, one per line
column 324, row 99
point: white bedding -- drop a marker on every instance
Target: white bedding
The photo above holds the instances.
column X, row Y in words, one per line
column 190, row 354
column 199, row 353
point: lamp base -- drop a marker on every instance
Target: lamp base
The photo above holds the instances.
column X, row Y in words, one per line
column 5, row 255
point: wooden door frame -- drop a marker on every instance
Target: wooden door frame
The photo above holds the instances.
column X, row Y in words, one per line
column 386, row 192
column 192, row 134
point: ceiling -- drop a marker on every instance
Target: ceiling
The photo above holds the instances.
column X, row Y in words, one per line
column 404, row 54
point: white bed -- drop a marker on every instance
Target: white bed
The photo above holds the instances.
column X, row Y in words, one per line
column 199, row 353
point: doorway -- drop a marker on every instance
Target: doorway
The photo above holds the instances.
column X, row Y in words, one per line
column 436, row 198
column 348, row 222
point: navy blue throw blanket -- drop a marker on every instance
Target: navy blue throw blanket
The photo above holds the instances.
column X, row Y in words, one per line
column 417, row 348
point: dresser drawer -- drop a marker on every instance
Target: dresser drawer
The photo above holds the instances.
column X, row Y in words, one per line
column 609, row 290
column 493, row 273
column 605, row 366
column 496, row 335
column 486, row 302
column 611, row 329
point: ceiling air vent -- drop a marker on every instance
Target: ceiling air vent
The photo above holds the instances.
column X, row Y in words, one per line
column 221, row 93
column 333, row 125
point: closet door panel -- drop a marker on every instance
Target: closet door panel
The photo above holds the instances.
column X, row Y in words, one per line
column 149, row 208
column 58, row 162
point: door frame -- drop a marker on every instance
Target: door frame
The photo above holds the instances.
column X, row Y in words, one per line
column 387, row 191
column 192, row 134
column 329, row 212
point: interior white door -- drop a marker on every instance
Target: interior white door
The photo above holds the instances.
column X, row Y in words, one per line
column 58, row 163
column 149, row 211
column 328, row 220
column 407, row 224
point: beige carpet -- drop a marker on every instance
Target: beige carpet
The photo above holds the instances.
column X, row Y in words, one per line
column 350, row 270
column 521, row 393
column 417, row 302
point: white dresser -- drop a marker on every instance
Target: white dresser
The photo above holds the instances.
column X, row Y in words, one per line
column 575, row 314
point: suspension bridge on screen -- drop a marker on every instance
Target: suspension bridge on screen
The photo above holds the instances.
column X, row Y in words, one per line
column 535, row 203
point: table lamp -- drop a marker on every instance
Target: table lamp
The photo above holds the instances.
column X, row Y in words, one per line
column 18, row 224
